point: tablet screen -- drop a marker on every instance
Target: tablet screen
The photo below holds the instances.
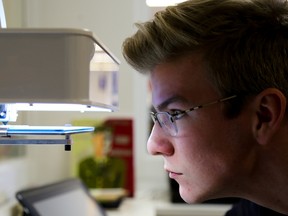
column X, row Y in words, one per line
column 69, row 197
column 72, row 203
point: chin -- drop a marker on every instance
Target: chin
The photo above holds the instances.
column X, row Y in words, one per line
column 191, row 199
column 192, row 196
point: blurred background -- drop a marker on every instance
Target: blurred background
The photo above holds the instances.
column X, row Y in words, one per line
column 111, row 21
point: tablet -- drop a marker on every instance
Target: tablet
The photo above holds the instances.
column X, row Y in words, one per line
column 44, row 130
column 68, row 197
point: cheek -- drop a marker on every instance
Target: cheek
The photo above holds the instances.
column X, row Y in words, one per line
column 215, row 138
column 212, row 159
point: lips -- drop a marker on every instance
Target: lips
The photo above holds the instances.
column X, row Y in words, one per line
column 172, row 174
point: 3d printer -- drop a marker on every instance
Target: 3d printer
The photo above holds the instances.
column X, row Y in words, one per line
column 54, row 70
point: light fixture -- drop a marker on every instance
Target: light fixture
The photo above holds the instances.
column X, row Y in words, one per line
column 2, row 16
column 57, row 70
column 162, row 3
column 53, row 70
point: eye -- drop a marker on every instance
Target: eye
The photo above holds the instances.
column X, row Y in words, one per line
column 177, row 113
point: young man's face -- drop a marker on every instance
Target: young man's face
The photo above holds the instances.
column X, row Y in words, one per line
column 211, row 156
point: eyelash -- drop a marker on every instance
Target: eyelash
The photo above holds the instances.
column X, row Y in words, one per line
column 175, row 112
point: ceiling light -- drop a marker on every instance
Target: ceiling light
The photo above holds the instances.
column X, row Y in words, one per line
column 162, row 3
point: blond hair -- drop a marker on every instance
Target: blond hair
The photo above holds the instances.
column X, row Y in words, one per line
column 244, row 43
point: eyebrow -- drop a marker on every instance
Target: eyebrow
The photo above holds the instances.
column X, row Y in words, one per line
column 170, row 100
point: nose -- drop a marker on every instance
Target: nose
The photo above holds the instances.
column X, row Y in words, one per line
column 158, row 142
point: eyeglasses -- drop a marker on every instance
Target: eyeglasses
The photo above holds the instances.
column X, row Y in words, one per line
column 167, row 121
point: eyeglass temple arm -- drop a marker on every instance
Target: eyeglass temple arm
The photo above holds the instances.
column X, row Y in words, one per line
column 211, row 103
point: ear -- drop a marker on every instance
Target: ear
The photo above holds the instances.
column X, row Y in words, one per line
column 270, row 106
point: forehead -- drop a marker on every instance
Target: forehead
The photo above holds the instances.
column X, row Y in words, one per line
column 184, row 78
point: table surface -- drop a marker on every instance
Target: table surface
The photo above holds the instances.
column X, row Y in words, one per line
column 146, row 207
column 133, row 207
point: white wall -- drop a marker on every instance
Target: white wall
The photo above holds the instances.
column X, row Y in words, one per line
column 101, row 17
column 111, row 21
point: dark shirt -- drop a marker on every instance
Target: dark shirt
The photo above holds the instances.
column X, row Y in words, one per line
column 247, row 208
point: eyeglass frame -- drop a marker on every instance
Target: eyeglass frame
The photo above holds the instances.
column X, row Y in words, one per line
column 173, row 117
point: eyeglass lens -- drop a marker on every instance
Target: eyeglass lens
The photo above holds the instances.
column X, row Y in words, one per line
column 167, row 123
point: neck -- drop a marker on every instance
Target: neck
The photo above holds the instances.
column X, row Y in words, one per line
column 268, row 184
